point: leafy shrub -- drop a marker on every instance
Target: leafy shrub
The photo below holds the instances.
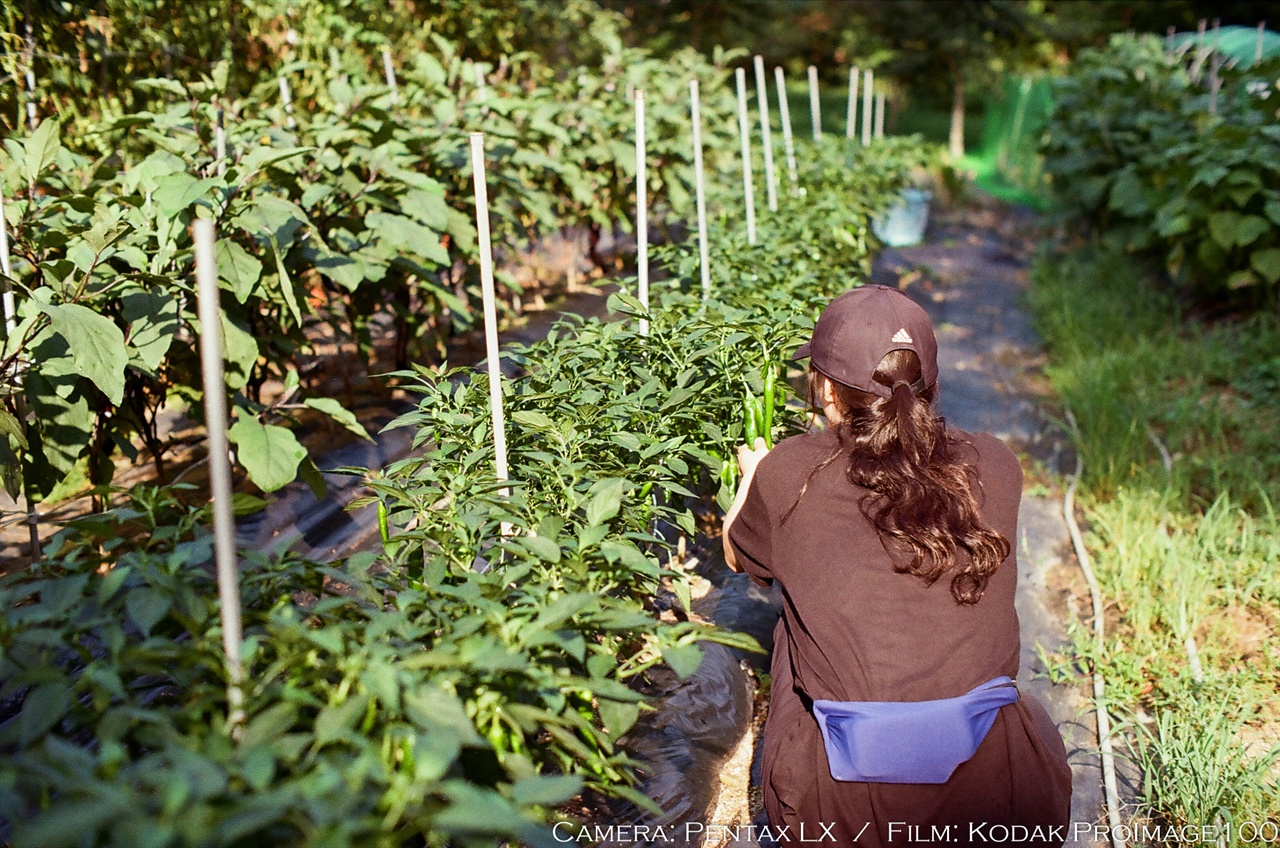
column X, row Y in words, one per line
column 1133, row 145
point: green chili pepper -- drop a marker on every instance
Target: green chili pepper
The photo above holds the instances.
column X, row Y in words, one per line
column 383, row 527
column 729, row 475
column 767, row 410
column 751, row 424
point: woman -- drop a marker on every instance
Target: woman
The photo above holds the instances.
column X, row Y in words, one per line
column 891, row 536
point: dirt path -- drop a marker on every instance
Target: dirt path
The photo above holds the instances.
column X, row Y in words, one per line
column 971, row 275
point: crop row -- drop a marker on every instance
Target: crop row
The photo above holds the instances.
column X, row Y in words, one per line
column 349, row 210
column 458, row 685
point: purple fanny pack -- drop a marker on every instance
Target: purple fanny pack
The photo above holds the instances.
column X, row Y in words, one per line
column 909, row 741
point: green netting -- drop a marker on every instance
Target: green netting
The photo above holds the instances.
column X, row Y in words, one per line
column 1237, row 42
column 1007, row 162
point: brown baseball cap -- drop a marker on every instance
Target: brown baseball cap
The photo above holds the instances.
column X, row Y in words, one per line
column 859, row 327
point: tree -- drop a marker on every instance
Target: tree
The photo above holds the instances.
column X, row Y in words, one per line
column 944, row 48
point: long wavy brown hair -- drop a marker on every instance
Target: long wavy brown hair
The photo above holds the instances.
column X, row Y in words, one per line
column 922, row 497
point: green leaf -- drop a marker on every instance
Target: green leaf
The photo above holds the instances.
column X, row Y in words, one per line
column 41, row 149
column 154, row 318
column 66, row 824
column 282, row 278
column 240, row 349
column 269, row 454
column 310, row 474
column 1129, row 196
column 1267, row 263
column 269, row 725
column 1241, row 279
column 65, row 425
column 683, row 659
column 237, row 269
column 541, row 547
column 546, row 789
column 605, row 499
column 146, row 606
column 1222, row 226
column 339, row 413
column 1249, row 228
column 531, row 418
column 406, row 234
column 45, row 705
column 335, row 721
column 96, row 346
column 12, row 427
column 176, row 193
column 618, row 716
column 269, row 213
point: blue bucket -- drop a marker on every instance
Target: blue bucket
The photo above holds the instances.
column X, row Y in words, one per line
column 904, row 224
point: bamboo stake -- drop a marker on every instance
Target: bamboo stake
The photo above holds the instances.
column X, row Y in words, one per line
column 868, row 80
column 851, row 114
column 766, row 134
column 215, row 415
column 880, row 115
column 287, row 99
column 815, row 108
column 784, row 116
column 642, row 214
column 700, row 190
column 484, row 240
column 744, row 133
column 390, row 71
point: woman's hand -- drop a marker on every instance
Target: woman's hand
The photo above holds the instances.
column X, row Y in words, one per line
column 749, row 457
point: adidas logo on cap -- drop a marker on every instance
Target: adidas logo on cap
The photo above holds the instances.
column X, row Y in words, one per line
column 902, row 337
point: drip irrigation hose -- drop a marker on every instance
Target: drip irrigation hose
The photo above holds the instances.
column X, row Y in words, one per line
column 1100, row 707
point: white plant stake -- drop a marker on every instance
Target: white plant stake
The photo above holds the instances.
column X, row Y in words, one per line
column 851, row 114
column 32, row 122
column 868, row 79
column 10, row 311
column 700, row 190
column 815, row 108
column 642, row 214
column 287, row 99
column 10, row 324
column 766, row 135
column 880, row 114
column 215, row 416
column 744, row 132
column 481, row 85
column 220, row 142
column 784, row 116
column 1215, row 64
column 1257, row 46
column 389, row 70
column 483, row 239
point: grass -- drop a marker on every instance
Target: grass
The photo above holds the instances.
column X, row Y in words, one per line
column 1187, row 551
